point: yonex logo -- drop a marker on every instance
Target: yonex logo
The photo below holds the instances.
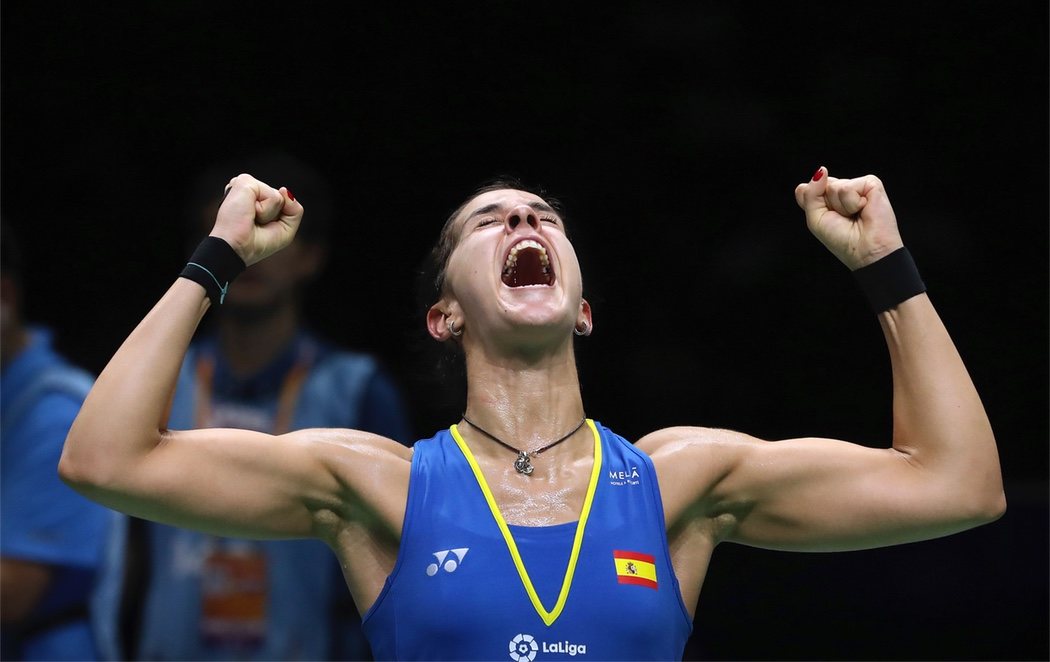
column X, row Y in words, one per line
column 523, row 648
column 443, row 561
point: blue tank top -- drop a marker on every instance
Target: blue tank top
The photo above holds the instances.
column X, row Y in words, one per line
column 467, row 586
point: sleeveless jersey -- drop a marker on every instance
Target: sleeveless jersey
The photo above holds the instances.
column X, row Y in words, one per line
column 467, row 586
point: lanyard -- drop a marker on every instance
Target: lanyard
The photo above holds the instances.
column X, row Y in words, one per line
column 286, row 400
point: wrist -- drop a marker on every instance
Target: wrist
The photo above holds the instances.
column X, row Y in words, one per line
column 874, row 255
column 890, row 280
column 234, row 242
column 214, row 265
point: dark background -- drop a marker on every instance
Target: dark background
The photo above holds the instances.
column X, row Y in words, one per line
column 676, row 135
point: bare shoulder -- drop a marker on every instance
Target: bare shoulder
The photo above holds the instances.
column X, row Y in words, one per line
column 333, row 443
column 717, row 446
column 691, row 463
column 371, row 470
column 364, row 462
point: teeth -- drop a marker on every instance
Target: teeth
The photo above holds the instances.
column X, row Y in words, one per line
column 512, row 258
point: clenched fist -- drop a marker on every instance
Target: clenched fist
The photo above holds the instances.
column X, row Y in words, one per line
column 255, row 219
column 851, row 217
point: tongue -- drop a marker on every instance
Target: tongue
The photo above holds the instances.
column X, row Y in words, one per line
column 528, row 270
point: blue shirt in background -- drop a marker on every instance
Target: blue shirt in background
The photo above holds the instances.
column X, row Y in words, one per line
column 43, row 520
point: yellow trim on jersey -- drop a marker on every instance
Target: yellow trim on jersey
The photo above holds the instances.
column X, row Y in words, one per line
column 548, row 616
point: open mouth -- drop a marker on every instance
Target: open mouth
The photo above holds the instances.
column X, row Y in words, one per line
column 527, row 264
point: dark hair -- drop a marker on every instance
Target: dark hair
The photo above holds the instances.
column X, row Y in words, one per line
column 276, row 168
column 437, row 263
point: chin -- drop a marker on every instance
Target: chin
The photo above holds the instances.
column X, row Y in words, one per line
column 536, row 309
column 539, row 321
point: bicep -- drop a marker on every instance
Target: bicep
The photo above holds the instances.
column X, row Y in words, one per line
column 822, row 494
column 234, row 482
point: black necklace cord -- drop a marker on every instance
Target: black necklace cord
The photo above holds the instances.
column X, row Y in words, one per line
column 520, row 452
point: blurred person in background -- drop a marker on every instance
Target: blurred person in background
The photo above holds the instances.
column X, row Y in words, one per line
column 176, row 594
column 50, row 537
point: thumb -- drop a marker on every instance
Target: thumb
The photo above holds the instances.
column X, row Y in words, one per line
column 810, row 196
column 291, row 209
column 291, row 213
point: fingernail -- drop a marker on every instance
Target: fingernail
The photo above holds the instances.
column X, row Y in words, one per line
column 290, row 194
column 816, row 176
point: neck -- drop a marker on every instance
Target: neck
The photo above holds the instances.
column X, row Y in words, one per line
column 249, row 345
column 526, row 403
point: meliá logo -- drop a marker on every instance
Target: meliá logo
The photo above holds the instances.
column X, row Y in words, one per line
column 622, row 477
column 524, row 647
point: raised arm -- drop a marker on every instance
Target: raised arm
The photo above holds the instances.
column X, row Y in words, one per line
column 234, row 482
column 941, row 473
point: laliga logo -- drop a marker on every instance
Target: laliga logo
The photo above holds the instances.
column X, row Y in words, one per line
column 523, row 648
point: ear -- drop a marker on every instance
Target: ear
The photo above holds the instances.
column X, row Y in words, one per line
column 584, row 320
column 437, row 321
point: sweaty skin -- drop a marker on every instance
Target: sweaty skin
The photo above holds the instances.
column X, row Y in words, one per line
column 938, row 475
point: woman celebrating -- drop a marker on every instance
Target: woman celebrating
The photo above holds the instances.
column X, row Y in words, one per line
column 528, row 530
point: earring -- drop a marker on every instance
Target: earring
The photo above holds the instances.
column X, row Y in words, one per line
column 586, row 330
column 452, row 328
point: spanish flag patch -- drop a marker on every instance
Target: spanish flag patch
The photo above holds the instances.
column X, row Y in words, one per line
column 635, row 568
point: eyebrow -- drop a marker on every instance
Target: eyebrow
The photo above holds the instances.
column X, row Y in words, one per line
column 536, row 205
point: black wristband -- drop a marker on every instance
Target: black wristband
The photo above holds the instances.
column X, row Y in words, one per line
column 890, row 280
column 213, row 265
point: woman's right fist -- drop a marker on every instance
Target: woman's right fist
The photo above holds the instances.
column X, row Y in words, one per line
column 256, row 220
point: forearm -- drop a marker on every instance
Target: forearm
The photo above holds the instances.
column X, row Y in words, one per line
column 939, row 422
column 123, row 416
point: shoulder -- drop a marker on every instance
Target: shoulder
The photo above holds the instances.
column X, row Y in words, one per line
column 714, row 444
column 371, row 474
column 337, row 444
column 692, row 462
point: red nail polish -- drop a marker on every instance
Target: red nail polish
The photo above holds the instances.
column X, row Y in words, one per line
column 291, row 195
column 816, row 176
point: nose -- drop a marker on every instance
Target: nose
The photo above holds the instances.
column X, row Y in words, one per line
column 521, row 214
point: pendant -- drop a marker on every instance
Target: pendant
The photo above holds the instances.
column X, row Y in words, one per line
column 522, row 464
